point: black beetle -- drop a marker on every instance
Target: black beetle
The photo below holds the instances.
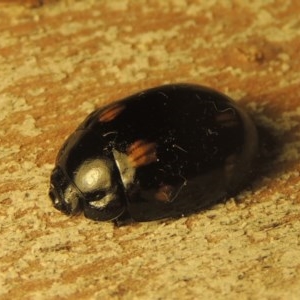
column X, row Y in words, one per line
column 164, row 152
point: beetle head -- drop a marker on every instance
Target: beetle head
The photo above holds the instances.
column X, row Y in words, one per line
column 86, row 178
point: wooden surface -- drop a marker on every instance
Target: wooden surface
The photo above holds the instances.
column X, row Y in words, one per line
column 61, row 59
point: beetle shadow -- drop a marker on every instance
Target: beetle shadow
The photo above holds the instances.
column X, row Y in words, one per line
column 272, row 140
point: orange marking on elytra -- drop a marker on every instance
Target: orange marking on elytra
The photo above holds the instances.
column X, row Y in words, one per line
column 164, row 193
column 142, row 153
column 227, row 118
column 111, row 113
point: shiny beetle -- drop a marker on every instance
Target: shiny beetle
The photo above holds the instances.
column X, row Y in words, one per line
column 165, row 152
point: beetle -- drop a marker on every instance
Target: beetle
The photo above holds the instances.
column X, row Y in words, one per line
column 165, row 152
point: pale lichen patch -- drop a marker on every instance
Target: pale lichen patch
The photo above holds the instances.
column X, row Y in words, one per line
column 28, row 127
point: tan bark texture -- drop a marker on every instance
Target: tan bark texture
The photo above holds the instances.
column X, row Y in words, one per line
column 61, row 59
